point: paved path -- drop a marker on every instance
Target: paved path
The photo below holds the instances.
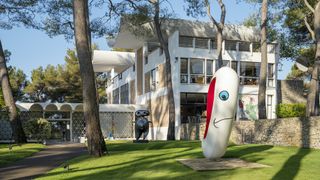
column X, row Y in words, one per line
column 41, row 162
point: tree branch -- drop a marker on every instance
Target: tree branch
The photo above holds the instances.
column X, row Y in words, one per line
column 313, row 36
column 209, row 14
column 309, row 6
column 223, row 13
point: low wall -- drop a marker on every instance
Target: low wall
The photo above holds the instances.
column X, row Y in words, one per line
column 299, row 132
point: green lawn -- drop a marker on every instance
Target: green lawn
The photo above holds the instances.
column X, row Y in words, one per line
column 17, row 152
column 157, row 160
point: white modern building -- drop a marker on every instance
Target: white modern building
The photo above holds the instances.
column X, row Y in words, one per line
column 139, row 77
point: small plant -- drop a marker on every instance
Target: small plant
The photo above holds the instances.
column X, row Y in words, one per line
column 38, row 129
column 291, row 110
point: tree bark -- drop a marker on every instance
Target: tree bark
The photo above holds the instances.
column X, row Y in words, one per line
column 312, row 108
column 264, row 62
column 16, row 126
column 96, row 143
column 164, row 45
column 219, row 48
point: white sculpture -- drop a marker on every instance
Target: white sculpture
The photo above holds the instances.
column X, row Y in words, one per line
column 221, row 108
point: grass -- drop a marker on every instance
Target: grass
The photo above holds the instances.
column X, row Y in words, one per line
column 17, row 152
column 157, row 160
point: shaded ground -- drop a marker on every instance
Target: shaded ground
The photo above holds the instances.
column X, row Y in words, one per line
column 41, row 162
column 17, row 152
column 157, row 160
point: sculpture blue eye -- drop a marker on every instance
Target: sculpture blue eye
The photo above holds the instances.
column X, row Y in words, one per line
column 224, row 95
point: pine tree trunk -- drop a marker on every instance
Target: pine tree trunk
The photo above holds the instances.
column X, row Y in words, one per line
column 164, row 45
column 16, row 126
column 313, row 96
column 219, row 48
column 264, row 63
column 96, row 143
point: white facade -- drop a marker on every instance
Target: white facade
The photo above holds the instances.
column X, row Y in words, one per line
column 242, row 57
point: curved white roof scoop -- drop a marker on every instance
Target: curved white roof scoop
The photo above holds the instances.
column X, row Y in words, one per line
column 104, row 61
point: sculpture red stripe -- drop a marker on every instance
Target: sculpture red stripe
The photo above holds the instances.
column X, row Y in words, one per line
column 210, row 101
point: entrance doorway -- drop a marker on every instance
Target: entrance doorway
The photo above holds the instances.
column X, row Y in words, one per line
column 60, row 130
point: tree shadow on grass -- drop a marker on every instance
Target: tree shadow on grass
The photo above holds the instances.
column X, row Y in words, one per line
column 291, row 167
column 240, row 152
column 143, row 162
column 157, row 163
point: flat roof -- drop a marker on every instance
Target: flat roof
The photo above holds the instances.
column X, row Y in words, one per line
column 131, row 37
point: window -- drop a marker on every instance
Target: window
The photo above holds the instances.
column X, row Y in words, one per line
column 213, row 44
column 124, row 94
column 256, row 47
column 134, row 67
column 249, row 73
column 234, row 65
column 269, row 106
column 120, row 76
column 185, row 41
column 153, row 79
column 244, row 46
column 226, row 63
column 197, row 71
column 201, row 43
column 270, row 75
column 146, row 60
column 115, row 96
column 271, row 48
column 230, row 45
column 184, row 70
column 209, row 72
column 193, row 107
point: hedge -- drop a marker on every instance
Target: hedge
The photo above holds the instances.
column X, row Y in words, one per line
column 291, row 110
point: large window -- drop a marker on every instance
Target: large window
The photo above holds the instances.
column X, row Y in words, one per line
column 115, row 96
column 234, row 64
column 193, row 107
column 124, row 94
column 201, row 43
column 256, row 47
column 197, row 71
column 270, row 75
column 244, row 46
column 209, row 72
column 153, row 79
column 269, row 107
column 249, row 73
column 230, row 45
column 184, row 70
column 271, row 48
column 185, row 41
column 213, row 44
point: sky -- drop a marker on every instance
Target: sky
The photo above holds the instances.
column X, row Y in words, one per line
column 33, row 48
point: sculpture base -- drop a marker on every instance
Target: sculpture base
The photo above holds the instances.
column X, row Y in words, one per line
column 140, row 141
column 219, row 164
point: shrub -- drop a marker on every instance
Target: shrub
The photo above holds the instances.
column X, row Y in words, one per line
column 291, row 110
column 38, row 129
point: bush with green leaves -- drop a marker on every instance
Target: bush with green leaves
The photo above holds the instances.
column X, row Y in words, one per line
column 38, row 129
column 291, row 110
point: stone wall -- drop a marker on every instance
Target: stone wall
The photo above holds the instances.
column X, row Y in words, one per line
column 299, row 132
column 290, row 92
